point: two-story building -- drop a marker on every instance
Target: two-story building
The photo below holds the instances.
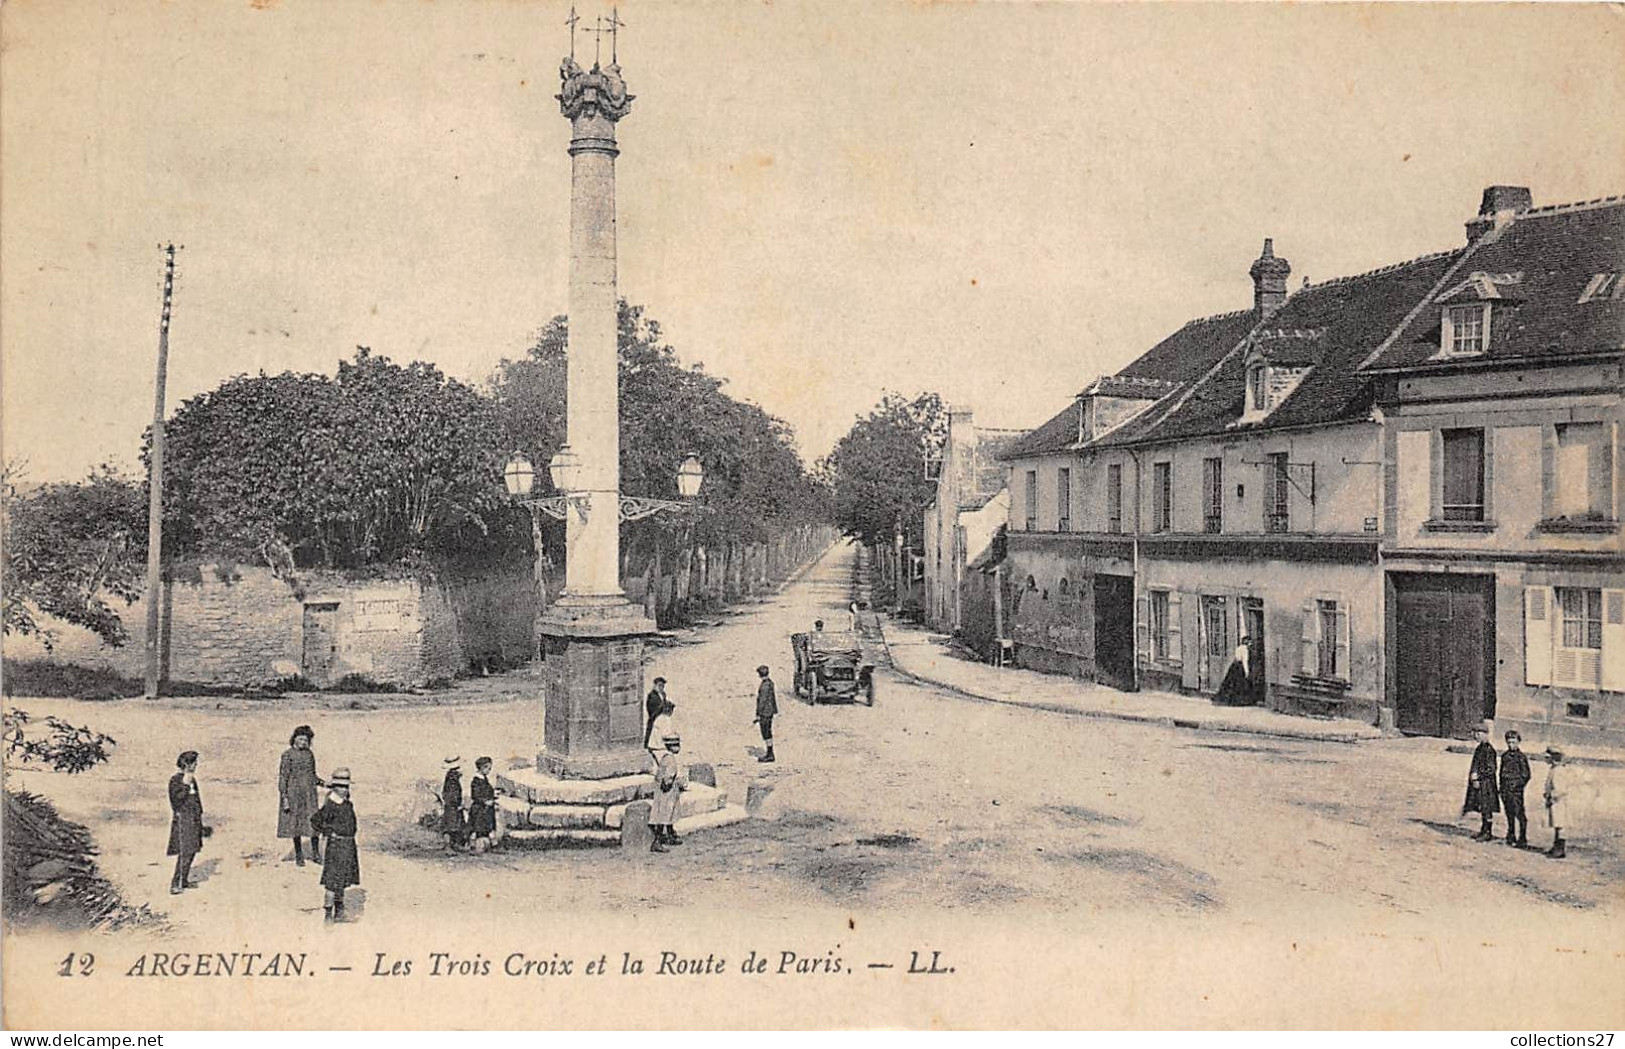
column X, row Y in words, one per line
column 1278, row 456
column 1503, row 398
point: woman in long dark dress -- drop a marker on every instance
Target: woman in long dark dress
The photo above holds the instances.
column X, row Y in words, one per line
column 296, row 786
column 453, row 826
column 1236, row 690
column 336, row 819
column 482, row 806
column 186, row 821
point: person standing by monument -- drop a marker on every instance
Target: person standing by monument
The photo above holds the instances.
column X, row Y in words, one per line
column 296, row 787
column 767, row 707
column 482, row 806
column 654, row 705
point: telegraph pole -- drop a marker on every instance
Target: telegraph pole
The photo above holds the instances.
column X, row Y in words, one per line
column 155, row 484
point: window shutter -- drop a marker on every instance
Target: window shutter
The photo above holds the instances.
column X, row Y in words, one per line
column 1537, row 635
column 1344, row 668
column 1176, row 633
column 1310, row 663
column 1142, row 629
column 1192, row 677
column 1613, row 640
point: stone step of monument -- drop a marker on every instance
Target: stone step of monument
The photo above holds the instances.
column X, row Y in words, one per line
column 538, row 838
column 697, row 800
column 721, row 817
column 539, row 788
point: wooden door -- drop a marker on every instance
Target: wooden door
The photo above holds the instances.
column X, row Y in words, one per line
column 321, row 643
column 1442, row 633
column 1215, row 642
column 1423, row 698
column 1252, row 627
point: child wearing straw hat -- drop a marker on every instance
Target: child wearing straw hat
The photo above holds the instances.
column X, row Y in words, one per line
column 1556, row 796
column 342, row 869
column 669, row 785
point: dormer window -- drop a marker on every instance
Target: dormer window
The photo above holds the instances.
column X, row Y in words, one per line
column 1257, row 388
column 1466, row 330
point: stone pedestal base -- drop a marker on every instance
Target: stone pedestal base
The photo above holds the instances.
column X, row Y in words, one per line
column 536, row 809
column 592, row 673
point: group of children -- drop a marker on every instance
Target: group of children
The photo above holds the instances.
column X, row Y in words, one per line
column 470, row 824
column 299, row 815
column 1494, row 781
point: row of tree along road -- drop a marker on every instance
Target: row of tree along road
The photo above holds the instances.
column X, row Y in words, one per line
column 394, row 469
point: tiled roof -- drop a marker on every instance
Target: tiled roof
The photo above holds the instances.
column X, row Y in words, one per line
column 1128, row 386
column 1192, row 350
column 1556, row 252
column 1331, row 328
column 1055, row 434
column 1181, row 357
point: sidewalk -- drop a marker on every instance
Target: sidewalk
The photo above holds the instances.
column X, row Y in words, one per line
column 915, row 653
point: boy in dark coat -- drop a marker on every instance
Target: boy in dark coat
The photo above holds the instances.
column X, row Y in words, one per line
column 1481, row 795
column 653, row 704
column 767, row 705
column 336, row 819
column 186, row 821
column 1515, row 776
column 482, row 806
column 453, row 828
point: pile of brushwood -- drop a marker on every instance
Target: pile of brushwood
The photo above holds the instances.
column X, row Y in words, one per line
column 50, row 864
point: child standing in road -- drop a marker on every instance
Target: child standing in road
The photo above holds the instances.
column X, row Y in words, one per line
column 1515, row 776
column 1481, row 795
column 767, row 705
column 1556, row 796
column 453, row 824
column 482, row 806
column 342, row 869
column 669, row 786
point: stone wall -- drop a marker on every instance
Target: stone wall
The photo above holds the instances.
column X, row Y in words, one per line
column 242, row 626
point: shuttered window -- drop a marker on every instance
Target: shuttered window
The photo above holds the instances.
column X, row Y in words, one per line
column 1213, row 495
column 1159, row 625
column 1063, row 499
column 1114, row 498
column 1278, row 499
column 1162, row 496
column 1463, row 482
column 1577, row 660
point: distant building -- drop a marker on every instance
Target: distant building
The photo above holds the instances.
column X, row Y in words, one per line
column 1339, row 475
column 959, row 523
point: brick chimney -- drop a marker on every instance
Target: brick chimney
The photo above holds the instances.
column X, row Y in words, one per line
column 1501, row 205
column 1269, row 280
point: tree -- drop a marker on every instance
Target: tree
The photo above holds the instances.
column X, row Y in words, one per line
column 379, row 465
column 877, row 470
column 70, row 551
column 667, row 411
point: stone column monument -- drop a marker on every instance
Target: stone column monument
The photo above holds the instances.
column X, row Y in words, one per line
column 592, row 775
column 592, row 636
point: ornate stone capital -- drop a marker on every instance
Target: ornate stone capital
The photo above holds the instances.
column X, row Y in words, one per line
column 600, row 90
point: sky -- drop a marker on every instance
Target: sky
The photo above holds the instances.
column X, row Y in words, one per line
column 818, row 201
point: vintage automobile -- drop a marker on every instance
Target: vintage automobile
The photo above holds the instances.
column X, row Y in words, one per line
column 830, row 668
